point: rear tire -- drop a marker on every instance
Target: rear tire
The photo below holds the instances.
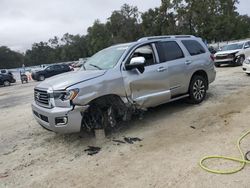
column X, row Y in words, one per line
column 41, row 78
column 197, row 89
column 6, row 83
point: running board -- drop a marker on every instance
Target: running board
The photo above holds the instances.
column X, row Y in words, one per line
column 177, row 98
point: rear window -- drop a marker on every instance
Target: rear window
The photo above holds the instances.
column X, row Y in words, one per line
column 169, row 51
column 193, row 47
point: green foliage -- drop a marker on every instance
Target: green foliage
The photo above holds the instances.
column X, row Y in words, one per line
column 9, row 58
column 213, row 20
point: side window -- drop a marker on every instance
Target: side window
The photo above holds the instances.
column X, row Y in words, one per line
column 193, row 47
column 169, row 51
column 50, row 68
column 57, row 67
column 146, row 52
column 62, row 67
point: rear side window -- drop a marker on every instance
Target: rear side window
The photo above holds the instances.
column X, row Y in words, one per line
column 63, row 66
column 193, row 47
column 169, row 51
column 57, row 67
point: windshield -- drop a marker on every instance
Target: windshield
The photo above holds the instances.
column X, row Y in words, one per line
column 232, row 47
column 105, row 59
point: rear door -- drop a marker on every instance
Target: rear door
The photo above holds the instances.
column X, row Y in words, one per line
column 58, row 69
column 171, row 55
column 198, row 57
column 151, row 87
column 50, row 71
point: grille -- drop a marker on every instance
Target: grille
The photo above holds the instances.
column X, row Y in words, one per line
column 222, row 57
column 41, row 97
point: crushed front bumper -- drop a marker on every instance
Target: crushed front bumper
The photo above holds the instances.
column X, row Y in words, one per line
column 50, row 119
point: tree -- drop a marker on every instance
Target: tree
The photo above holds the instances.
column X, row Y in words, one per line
column 123, row 25
column 10, row 59
column 98, row 37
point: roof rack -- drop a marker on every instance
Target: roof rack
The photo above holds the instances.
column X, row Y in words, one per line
column 165, row 37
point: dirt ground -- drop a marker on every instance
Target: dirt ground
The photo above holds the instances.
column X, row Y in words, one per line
column 174, row 137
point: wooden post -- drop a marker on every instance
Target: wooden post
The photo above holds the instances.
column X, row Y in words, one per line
column 100, row 136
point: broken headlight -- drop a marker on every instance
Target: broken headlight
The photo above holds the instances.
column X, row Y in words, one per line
column 66, row 95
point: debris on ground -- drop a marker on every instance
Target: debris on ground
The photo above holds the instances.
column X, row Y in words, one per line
column 92, row 150
column 119, row 141
column 193, row 127
column 4, row 175
column 132, row 140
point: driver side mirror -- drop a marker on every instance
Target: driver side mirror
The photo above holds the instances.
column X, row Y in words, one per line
column 136, row 63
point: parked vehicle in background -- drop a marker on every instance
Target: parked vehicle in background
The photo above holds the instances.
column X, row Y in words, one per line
column 233, row 54
column 5, row 71
column 124, row 79
column 50, row 71
column 246, row 65
column 6, row 79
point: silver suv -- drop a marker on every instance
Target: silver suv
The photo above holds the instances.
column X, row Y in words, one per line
column 123, row 80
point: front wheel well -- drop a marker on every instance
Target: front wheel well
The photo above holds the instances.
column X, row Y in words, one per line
column 104, row 112
column 241, row 55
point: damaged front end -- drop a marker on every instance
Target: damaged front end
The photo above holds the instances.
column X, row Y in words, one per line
column 106, row 113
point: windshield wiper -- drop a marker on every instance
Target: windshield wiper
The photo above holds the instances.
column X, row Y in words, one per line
column 99, row 68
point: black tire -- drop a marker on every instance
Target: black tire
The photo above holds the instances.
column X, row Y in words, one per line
column 216, row 64
column 6, row 83
column 41, row 78
column 240, row 61
column 197, row 89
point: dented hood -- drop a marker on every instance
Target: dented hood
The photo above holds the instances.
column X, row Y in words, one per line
column 63, row 81
column 227, row 52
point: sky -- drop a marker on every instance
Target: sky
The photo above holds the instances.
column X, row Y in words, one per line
column 23, row 22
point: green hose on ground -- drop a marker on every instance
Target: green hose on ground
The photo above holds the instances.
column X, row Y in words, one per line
column 241, row 160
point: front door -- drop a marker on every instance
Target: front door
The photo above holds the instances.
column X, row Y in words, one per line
column 151, row 87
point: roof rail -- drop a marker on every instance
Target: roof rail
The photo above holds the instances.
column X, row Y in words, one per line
column 165, row 37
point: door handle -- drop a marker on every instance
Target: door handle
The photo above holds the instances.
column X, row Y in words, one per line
column 161, row 69
column 188, row 62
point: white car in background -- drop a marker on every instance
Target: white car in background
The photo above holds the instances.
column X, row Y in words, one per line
column 246, row 66
column 234, row 54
